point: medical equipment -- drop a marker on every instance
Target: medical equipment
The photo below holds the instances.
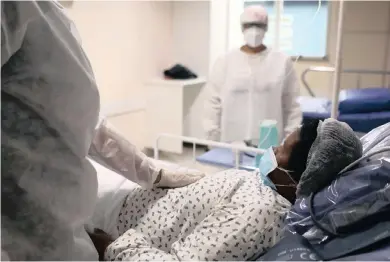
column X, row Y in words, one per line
column 254, row 36
column 268, row 164
column 362, row 109
column 268, row 136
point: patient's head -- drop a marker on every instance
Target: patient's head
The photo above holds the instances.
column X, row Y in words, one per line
column 314, row 155
column 292, row 156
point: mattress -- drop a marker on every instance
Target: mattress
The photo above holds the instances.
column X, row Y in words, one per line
column 366, row 100
column 320, row 108
column 363, row 122
column 225, row 158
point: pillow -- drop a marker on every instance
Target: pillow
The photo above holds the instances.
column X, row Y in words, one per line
column 365, row 100
column 112, row 191
column 314, row 104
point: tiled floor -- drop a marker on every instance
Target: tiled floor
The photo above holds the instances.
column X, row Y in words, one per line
column 186, row 160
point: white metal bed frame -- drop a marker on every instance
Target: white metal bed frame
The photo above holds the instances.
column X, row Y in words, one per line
column 327, row 69
column 196, row 141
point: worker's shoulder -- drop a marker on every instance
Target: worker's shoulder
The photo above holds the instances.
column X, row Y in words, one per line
column 17, row 14
column 27, row 10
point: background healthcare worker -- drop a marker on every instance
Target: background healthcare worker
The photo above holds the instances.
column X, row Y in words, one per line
column 49, row 113
column 251, row 84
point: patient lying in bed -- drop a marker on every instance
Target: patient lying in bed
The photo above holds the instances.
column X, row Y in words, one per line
column 226, row 216
column 231, row 215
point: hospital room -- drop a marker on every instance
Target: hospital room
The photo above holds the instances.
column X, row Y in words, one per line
column 215, row 130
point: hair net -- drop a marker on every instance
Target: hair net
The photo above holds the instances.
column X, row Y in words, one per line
column 254, row 14
column 335, row 147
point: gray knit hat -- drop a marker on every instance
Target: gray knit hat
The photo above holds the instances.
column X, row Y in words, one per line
column 335, row 147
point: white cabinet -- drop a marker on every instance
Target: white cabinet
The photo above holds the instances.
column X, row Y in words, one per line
column 174, row 107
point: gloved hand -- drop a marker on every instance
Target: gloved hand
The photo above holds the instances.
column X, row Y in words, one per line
column 178, row 177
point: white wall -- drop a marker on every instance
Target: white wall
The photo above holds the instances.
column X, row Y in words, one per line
column 127, row 42
column 367, row 40
column 191, row 26
column 365, row 46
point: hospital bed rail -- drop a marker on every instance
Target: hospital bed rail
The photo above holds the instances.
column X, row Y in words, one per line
column 196, row 141
column 327, row 69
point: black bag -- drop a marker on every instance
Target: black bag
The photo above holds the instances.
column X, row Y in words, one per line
column 292, row 247
column 179, row 72
column 371, row 244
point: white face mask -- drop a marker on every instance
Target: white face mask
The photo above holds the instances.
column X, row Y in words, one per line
column 268, row 164
column 254, row 36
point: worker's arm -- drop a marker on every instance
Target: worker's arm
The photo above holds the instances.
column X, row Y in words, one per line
column 213, row 103
column 292, row 114
column 116, row 152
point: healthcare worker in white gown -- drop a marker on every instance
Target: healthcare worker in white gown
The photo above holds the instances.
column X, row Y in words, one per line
column 251, row 84
column 49, row 115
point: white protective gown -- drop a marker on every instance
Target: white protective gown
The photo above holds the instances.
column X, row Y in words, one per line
column 246, row 89
column 49, row 111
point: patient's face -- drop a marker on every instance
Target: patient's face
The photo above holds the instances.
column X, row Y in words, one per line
column 279, row 177
column 282, row 154
column 283, row 151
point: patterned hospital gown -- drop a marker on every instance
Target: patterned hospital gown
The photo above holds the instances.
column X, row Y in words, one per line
column 226, row 216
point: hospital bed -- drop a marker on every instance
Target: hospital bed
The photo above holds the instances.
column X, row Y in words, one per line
column 379, row 138
column 362, row 108
column 221, row 156
column 368, row 177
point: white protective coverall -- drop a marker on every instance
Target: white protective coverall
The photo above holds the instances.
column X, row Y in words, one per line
column 49, row 112
column 245, row 89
